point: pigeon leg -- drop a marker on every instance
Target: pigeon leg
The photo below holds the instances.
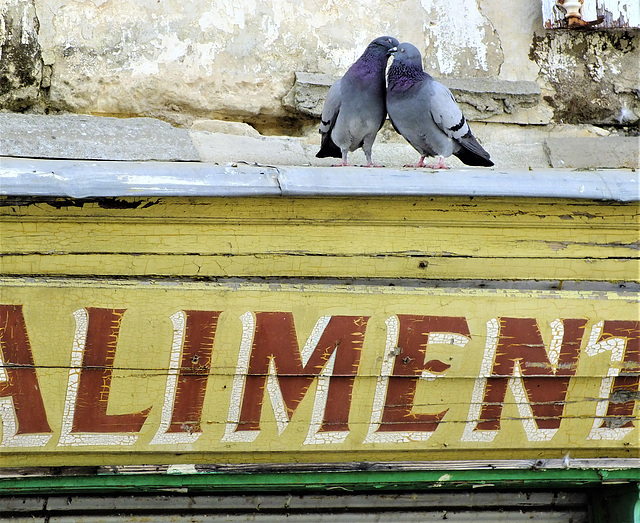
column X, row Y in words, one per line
column 439, row 165
column 419, row 164
column 366, row 147
column 344, row 163
column 367, row 155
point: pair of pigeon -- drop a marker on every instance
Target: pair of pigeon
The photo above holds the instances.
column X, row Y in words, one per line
column 422, row 110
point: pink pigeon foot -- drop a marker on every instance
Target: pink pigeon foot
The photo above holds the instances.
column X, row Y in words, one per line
column 439, row 165
column 419, row 164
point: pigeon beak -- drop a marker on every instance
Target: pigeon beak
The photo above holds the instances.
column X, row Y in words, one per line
column 392, row 50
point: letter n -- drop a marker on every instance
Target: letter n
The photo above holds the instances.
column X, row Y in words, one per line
column 24, row 419
column 270, row 361
column 516, row 357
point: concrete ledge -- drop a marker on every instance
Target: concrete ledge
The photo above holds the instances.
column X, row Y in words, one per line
column 86, row 137
column 83, row 179
column 590, row 153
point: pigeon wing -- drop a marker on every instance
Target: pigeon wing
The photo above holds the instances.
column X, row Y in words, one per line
column 329, row 116
column 449, row 118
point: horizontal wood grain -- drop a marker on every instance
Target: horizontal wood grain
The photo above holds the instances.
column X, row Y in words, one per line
column 433, row 238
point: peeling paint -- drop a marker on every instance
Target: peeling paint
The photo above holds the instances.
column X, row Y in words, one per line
column 227, row 16
column 20, row 55
column 622, row 13
column 454, row 26
column 593, row 75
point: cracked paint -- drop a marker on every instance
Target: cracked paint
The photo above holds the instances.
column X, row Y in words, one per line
column 458, row 28
column 284, row 371
column 67, row 434
column 606, row 428
column 499, row 336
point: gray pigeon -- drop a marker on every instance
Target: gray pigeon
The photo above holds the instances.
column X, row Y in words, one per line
column 426, row 114
column 354, row 110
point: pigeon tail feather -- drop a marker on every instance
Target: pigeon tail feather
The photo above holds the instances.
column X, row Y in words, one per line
column 472, row 153
column 328, row 148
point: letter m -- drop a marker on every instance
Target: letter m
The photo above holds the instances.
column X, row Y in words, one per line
column 270, row 360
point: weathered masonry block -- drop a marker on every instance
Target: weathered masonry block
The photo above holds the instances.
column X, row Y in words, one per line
column 479, row 98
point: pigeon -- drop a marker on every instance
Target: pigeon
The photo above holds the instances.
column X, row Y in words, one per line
column 354, row 109
column 425, row 113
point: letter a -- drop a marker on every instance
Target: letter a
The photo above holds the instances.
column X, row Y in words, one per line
column 24, row 420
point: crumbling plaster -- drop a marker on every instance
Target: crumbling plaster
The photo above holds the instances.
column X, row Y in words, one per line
column 590, row 76
column 20, row 59
column 237, row 60
column 132, row 57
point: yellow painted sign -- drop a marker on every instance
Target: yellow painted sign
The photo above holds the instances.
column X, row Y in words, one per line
column 108, row 371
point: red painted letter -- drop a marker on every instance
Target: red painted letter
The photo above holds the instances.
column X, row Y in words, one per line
column 86, row 421
column 273, row 362
column 408, row 337
column 193, row 336
column 538, row 377
column 24, row 419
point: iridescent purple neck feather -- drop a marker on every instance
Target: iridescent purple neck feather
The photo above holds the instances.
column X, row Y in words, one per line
column 372, row 63
column 403, row 76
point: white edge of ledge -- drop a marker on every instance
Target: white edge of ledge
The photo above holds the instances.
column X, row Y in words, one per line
column 86, row 179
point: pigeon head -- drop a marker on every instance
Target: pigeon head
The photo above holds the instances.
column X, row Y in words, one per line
column 373, row 61
column 406, row 69
column 408, row 55
column 383, row 44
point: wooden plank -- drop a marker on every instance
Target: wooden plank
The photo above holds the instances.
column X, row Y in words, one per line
column 566, row 463
column 249, row 239
column 103, row 371
column 121, row 372
column 231, row 503
column 323, row 266
column 441, row 238
column 367, row 210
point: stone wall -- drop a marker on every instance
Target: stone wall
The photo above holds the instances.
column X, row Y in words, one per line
column 244, row 61
column 21, row 64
